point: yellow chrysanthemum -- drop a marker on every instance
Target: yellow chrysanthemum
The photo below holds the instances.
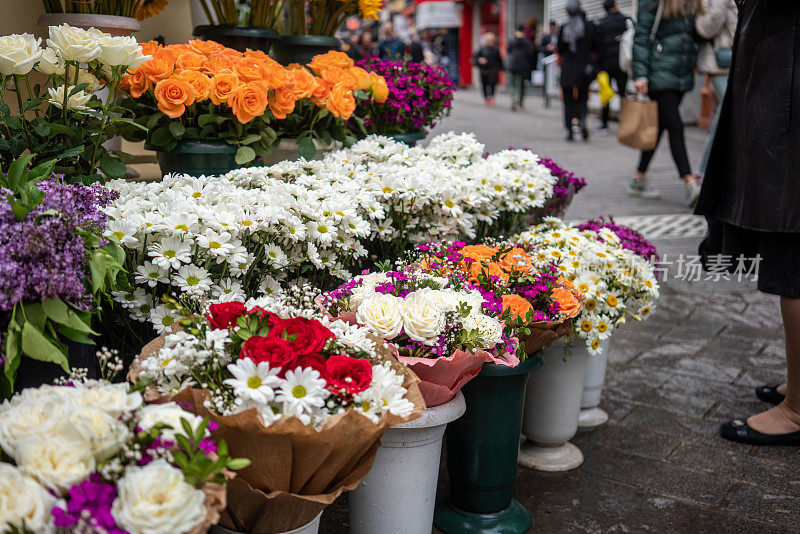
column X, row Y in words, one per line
column 150, row 8
column 370, row 8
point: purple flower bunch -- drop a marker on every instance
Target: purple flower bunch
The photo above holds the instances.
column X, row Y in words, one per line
column 629, row 238
column 89, row 506
column 43, row 256
column 419, row 96
column 567, row 185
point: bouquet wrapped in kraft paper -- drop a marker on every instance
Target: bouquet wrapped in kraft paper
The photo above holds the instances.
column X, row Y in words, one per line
column 543, row 333
column 299, row 465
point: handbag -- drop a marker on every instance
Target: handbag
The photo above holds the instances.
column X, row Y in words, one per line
column 638, row 123
column 724, row 56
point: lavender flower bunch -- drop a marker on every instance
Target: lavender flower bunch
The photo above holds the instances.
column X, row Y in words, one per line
column 630, row 239
column 419, row 96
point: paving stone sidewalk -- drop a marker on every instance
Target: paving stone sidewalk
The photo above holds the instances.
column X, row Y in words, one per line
column 659, row 464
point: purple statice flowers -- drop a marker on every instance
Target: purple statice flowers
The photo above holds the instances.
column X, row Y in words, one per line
column 419, row 96
column 629, row 238
column 46, row 259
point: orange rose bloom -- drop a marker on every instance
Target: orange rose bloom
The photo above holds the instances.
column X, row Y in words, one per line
column 330, row 59
column 256, row 54
column 518, row 260
column 204, row 47
column 189, row 60
column 218, row 63
column 281, row 102
column 341, row 102
column 563, row 282
column 490, row 269
column 136, row 83
column 222, row 87
column 177, row 49
column 567, row 303
column 199, row 82
column 302, row 83
column 335, row 75
column 250, row 70
column 275, row 75
column 150, row 48
column 363, row 80
column 478, row 252
column 160, row 67
column 321, row 93
column 249, row 101
column 173, row 95
column 380, row 91
column 519, row 306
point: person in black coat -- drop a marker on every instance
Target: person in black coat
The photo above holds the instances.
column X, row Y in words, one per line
column 520, row 64
column 751, row 192
column 574, row 45
column 490, row 63
column 609, row 31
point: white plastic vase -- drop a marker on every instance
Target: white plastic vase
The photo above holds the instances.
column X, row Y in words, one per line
column 552, row 405
column 308, row 528
column 591, row 414
column 399, row 492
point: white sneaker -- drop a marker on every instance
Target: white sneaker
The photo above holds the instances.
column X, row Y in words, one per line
column 692, row 193
column 641, row 189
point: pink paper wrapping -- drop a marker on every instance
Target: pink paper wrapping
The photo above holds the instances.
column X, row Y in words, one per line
column 442, row 378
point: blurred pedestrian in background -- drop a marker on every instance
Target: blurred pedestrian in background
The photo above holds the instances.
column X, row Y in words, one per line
column 549, row 40
column 717, row 25
column 663, row 69
column 751, row 191
column 490, row 63
column 352, row 47
column 415, row 51
column 609, row 31
column 530, row 35
column 574, row 45
column 367, row 45
column 520, row 64
column 391, row 47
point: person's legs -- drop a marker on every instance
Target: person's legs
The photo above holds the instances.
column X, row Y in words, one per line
column 785, row 417
column 512, row 89
column 583, row 107
column 521, row 89
column 671, row 116
column 647, row 155
column 485, row 86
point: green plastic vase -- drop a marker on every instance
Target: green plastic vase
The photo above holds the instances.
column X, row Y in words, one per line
column 302, row 48
column 209, row 158
column 408, row 138
column 482, row 448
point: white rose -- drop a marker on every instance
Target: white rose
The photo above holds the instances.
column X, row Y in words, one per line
column 73, row 44
column 87, row 77
column 169, row 414
column 155, row 499
column 423, row 320
column 490, row 329
column 18, row 53
column 382, row 313
column 122, row 50
column 445, row 300
column 23, row 420
column 49, row 63
column 103, row 433
column 23, row 500
column 57, row 461
column 75, row 102
column 111, row 398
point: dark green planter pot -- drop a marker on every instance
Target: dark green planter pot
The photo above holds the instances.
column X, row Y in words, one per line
column 302, row 48
column 209, row 158
column 410, row 138
column 238, row 37
column 482, row 448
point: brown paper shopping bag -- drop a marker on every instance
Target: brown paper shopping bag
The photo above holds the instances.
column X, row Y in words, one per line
column 638, row 123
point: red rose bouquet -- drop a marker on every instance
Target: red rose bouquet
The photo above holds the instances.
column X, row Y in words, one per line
column 306, row 399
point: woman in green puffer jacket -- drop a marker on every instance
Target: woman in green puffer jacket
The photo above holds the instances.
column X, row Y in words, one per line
column 663, row 68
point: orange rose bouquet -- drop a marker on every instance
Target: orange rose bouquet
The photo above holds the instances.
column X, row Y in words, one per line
column 536, row 305
column 202, row 90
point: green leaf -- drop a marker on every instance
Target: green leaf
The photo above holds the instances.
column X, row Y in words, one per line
column 161, row 136
column 4, row 109
column 244, row 155
column 79, row 87
column 13, row 352
column 204, row 120
column 177, row 129
column 58, row 311
column 113, row 167
column 97, row 269
column 16, row 171
column 236, row 464
column 306, row 148
column 38, row 347
column 41, row 129
column 75, row 335
column 61, row 129
column 73, row 152
column 250, row 139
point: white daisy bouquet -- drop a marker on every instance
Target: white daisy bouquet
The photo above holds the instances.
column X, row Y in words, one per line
column 305, row 398
column 204, row 240
column 615, row 282
column 440, row 325
column 90, row 456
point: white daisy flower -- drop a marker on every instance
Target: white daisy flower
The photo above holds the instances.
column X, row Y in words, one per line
column 253, row 382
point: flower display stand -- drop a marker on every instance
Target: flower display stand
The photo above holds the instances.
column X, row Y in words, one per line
column 482, row 448
column 399, row 493
column 591, row 414
column 308, row 528
column 552, row 405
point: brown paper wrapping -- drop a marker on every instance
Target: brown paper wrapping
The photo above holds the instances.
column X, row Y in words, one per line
column 544, row 333
column 295, row 471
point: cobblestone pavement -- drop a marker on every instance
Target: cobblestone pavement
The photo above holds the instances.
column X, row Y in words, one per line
column 659, row 464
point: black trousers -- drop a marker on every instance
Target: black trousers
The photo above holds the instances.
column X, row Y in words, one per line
column 575, row 99
column 621, row 78
column 488, row 83
column 669, row 118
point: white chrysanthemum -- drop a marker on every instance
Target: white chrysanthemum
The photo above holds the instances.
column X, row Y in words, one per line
column 253, row 382
column 302, row 391
column 170, row 253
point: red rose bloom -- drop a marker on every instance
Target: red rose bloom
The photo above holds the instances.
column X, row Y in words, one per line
column 263, row 314
column 275, row 351
column 350, row 374
column 307, row 336
column 316, row 362
column 223, row 316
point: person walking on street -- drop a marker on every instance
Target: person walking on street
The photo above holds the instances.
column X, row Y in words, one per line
column 352, row 47
column 520, row 60
column 663, row 69
column 574, row 45
column 751, row 192
column 549, row 40
column 391, row 47
column 609, row 31
column 367, row 45
column 490, row 63
column 718, row 25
